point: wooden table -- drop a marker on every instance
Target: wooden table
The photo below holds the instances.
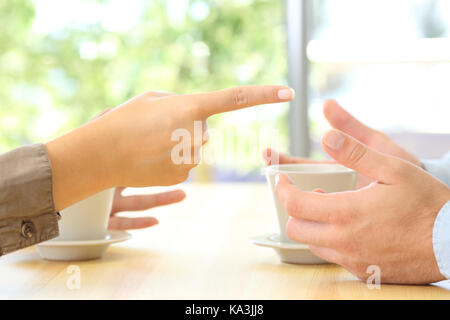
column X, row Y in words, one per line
column 200, row 250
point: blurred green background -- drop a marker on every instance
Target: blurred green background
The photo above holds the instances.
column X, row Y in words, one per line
column 63, row 62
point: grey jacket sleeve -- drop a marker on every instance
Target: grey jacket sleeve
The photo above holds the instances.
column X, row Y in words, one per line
column 27, row 212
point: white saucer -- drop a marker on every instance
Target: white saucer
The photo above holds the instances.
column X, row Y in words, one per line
column 80, row 250
column 296, row 253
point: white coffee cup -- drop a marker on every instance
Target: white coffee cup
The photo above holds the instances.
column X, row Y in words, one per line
column 308, row 177
column 87, row 219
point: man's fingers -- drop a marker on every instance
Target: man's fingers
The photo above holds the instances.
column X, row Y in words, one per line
column 240, row 97
column 272, row 157
column 314, row 206
column 119, row 223
column 342, row 120
column 353, row 154
column 326, row 254
column 310, row 232
column 139, row 203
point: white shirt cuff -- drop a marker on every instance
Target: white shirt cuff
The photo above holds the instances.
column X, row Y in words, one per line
column 441, row 240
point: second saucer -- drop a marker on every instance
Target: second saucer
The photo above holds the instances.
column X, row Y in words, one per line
column 296, row 253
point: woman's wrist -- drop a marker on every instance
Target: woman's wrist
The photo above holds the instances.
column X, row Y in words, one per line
column 80, row 165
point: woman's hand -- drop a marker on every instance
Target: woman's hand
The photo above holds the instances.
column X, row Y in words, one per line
column 132, row 144
column 388, row 224
column 341, row 120
column 138, row 203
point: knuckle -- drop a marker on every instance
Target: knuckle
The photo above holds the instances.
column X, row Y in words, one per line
column 139, row 202
column 333, row 217
column 341, row 244
column 339, row 218
column 291, row 204
column 398, row 167
column 356, row 155
column 272, row 95
column 239, row 97
column 342, row 241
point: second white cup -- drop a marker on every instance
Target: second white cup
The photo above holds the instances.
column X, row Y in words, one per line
column 87, row 219
column 308, row 177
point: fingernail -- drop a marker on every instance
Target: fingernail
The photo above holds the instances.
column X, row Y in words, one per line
column 277, row 179
column 286, row 94
column 334, row 140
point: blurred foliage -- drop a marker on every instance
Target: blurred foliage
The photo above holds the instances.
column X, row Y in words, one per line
column 55, row 81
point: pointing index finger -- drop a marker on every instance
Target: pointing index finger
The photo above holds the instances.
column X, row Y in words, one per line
column 241, row 97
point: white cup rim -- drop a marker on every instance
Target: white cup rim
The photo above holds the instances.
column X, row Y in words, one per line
column 283, row 168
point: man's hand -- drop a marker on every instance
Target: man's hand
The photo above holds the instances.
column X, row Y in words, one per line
column 341, row 120
column 389, row 223
column 138, row 203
